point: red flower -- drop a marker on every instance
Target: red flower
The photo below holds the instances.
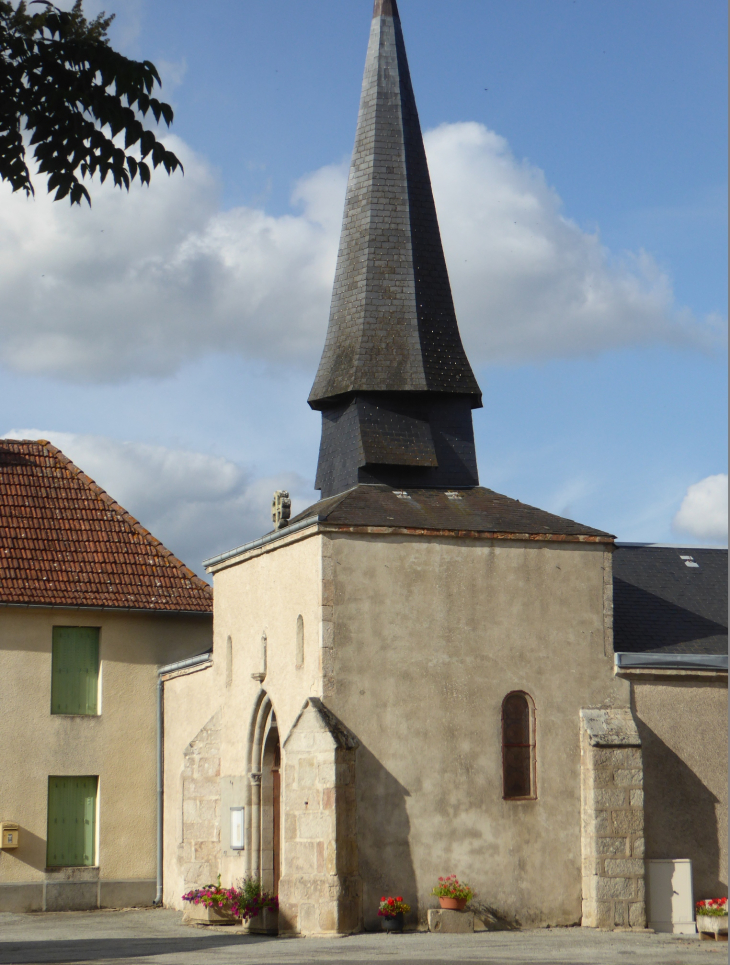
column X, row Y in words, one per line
column 399, row 899
column 391, row 901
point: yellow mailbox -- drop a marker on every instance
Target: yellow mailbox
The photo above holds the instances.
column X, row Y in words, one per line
column 8, row 835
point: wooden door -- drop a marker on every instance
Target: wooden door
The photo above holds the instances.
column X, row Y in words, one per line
column 276, row 790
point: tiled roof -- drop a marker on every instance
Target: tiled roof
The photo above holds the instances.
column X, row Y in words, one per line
column 476, row 510
column 662, row 605
column 66, row 542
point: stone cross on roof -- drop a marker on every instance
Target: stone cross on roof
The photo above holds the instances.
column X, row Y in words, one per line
column 393, row 355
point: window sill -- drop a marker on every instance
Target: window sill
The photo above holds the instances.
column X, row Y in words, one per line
column 81, row 716
column 84, row 872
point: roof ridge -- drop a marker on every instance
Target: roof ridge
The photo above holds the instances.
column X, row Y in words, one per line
column 115, row 507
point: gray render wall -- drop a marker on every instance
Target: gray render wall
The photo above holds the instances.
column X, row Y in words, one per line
column 429, row 634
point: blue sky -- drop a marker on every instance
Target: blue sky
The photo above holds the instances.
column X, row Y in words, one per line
column 167, row 340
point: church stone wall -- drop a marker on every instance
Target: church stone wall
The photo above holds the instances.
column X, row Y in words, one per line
column 320, row 891
column 277, row 592
column 199, row 851
column 682, row 720
column 190, row 701
column 429, row 635
column 612, row 804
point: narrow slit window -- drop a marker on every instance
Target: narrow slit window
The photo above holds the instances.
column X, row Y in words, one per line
column 299, row 661
column 518, row 747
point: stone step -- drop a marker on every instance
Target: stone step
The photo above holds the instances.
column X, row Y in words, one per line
column 449, row 922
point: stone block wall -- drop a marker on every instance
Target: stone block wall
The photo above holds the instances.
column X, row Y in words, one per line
column 199, row 852
column 612, row 821
column 320, row 892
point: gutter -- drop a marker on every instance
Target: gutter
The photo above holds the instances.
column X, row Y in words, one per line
column 671, row 661
column 270, row 538
column 170, row 668
column 110, row 609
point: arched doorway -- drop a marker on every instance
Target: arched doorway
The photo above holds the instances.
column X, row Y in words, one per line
column 271, row 810
column 264, row 834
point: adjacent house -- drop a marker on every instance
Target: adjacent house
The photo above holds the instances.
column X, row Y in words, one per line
column 91, row 604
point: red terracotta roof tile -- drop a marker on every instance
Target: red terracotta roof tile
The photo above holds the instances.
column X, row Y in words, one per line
column 65, row 542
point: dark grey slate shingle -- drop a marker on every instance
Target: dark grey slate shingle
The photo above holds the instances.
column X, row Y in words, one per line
column 392, row 321
column 476, row 510
column 662, row 605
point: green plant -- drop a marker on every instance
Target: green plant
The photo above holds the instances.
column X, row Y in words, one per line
column 76, row 102
column 253, row 899
column 390, row 907
column 712, row 907
column 244, row 901
column 451, row 887
column 213, row 895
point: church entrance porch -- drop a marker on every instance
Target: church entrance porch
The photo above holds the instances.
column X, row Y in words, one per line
column 320, row 891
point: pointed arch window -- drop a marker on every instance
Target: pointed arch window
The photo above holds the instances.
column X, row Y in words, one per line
column 518, row 747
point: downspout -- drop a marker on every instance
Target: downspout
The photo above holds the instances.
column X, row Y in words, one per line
column 170, row 668
column 160, row 788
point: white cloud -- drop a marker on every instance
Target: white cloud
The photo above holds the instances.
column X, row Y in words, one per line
column 146, row 281
column 529, row 283
column 703, row 512
column 198, row 505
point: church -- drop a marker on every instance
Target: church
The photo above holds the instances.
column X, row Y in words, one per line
column 417, row 676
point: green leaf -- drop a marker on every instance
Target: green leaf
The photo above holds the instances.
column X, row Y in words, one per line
column 63, row 84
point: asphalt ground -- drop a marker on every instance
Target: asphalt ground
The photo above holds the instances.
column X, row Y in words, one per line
column 158, row 937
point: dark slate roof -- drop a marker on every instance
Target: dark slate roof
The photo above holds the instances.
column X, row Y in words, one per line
column 65, row 542
column 476, row 510
column 661, row 605
column 392, row 322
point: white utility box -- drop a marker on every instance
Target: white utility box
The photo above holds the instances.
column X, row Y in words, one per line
column 670, row 903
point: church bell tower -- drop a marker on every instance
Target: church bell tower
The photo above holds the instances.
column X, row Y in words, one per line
column 394, row 385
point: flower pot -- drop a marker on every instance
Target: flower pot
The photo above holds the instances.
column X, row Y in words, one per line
column 208, row 915
column 392, row 922
column 456, row 904
column 712, row 926
column 265, row 923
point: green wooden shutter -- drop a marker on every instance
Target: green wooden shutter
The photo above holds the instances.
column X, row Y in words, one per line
column 75, row 670
column 71, row 840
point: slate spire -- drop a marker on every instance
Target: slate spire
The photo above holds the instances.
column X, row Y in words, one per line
column 394, row 384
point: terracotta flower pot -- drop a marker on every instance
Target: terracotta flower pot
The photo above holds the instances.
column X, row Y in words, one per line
column 456, row 904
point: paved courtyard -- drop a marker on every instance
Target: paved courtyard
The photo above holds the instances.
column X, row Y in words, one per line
column 157, row 937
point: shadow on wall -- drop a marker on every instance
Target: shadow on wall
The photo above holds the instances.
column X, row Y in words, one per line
column 383, row 837
column 493, row 919
column 31, row 849
column 680, row 819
